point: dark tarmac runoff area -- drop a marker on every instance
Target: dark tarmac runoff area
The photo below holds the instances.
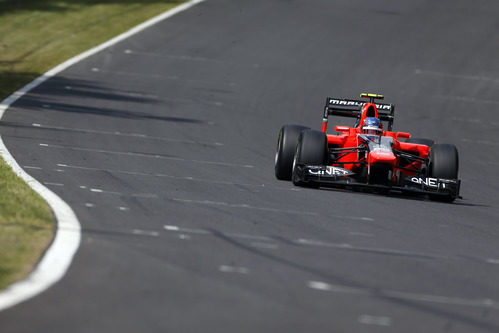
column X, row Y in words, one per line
column 164, row 144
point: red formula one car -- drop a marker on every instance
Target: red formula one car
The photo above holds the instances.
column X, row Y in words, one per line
column 366, row 156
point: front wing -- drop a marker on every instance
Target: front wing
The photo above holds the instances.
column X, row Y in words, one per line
column 332, row 176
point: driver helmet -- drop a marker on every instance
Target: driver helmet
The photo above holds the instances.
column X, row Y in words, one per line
column 372, row 126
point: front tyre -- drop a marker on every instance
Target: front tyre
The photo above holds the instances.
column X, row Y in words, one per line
column 311, row 149
column 286, row 146
column 444, row 163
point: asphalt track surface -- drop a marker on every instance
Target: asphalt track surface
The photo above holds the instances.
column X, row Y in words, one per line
column 164, row 147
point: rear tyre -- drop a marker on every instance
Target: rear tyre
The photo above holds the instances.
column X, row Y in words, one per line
column 444, row 163
column 421, row 141
column 311, row 149
column 286, row 147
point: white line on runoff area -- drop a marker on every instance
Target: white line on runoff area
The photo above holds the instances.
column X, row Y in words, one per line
column 59, row 255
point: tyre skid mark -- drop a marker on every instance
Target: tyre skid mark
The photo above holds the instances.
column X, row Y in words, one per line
column 144, row 155
column 125, row 134
column 186, row 178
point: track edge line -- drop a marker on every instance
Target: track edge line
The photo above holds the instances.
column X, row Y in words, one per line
column 58, row 257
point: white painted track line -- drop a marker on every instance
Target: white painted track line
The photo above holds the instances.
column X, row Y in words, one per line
column 403, row 295
column 374, row 320
column 233, row 269
column 58, row 256
column 56, row 260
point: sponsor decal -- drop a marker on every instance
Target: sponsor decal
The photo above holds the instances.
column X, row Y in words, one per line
column 382, row 151
column 343, row 102
column 431, row 182
column 330, row 171
column 382, row 154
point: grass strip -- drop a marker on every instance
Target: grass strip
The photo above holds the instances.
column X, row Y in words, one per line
column 26, row 227
column 35, row 36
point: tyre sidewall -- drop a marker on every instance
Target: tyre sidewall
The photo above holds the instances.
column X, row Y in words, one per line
column 286, row 147
column 311, row 149
column 444, row 161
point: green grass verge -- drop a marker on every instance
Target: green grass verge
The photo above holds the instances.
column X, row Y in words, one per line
column 26, row 227
column 35, row 36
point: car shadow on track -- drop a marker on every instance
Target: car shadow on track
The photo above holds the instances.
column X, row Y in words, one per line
column 402, row 196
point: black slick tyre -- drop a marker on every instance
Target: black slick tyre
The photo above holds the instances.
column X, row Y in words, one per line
column 311, row 149
column 444, row 163
column 286, row 147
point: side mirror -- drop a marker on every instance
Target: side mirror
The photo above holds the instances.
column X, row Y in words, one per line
column 403, row 135
column 341, row 128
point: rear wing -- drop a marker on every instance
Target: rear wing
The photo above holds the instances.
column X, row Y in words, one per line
column 352, row 108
